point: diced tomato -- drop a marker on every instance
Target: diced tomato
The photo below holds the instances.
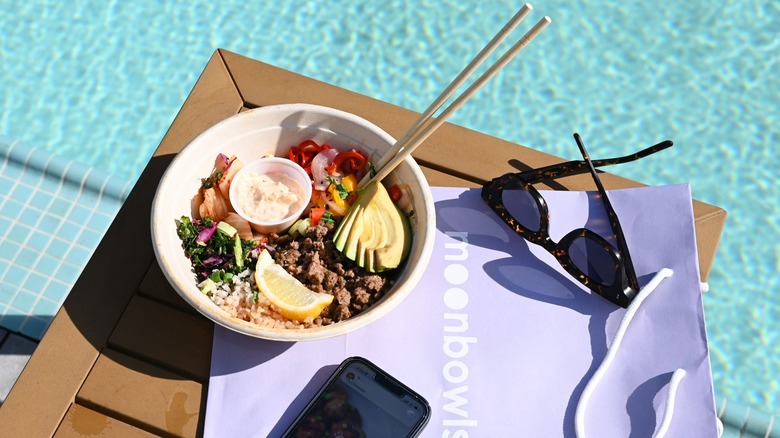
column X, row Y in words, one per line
column 316, row 214
column 395, row 193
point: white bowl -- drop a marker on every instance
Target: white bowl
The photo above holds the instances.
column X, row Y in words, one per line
column 270, row 166
column 267, row 131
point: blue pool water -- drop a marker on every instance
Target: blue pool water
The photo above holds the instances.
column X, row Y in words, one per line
column 100, row 82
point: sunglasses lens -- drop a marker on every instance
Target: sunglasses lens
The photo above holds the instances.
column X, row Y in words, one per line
column 593, row 260
column 522, row 206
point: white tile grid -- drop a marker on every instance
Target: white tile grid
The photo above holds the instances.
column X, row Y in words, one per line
column 26, row 230
column 67, row 271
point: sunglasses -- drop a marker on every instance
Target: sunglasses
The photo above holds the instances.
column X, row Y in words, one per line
column 584, row 254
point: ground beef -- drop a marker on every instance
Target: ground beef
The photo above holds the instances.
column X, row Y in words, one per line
column 314, row 260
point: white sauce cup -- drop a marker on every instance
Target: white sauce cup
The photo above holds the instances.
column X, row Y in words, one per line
column 269, row 166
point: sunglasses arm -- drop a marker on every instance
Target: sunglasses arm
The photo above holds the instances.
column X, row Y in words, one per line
column 570, row 168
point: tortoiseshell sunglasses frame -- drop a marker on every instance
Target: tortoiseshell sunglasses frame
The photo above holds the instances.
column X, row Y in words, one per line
column 621, row 292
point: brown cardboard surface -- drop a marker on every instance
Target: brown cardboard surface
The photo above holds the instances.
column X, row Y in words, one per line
column 165, row 336
column 82, row 422
column 156, row 286
column 144, row 395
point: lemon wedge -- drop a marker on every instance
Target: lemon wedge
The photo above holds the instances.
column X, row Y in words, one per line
column 290, row 296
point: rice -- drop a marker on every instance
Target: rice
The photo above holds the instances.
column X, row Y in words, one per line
column 239, row 299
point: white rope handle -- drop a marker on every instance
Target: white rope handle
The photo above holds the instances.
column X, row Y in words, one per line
column 677, row 376
column 579, row 416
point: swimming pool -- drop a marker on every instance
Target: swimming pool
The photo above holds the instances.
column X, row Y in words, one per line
column 100, row 81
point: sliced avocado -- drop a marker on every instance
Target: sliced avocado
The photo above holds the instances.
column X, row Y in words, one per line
column 370, row 236
column 375, row 234
column 360, row 252
column 390, row 256
column 355, row 232
column 362, row 234
column 339, row 237
column 342, row 232
column 349, row 234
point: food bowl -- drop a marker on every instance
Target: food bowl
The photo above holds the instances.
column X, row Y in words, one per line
column 276, row 209
column 271, row 131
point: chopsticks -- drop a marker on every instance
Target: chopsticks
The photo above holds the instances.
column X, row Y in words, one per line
column 426, row 124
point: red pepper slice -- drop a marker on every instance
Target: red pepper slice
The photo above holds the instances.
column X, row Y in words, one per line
column 305, row 152
column 309, row 147
column 353, row 160
column 332, row 169
column 294, row 155
column 316, row 214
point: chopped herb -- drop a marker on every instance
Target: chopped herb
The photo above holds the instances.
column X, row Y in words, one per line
column 220, row 276
column 371, row 170
column 217, row 253
column 209, row 182
column 343, row 192
column 327, row 218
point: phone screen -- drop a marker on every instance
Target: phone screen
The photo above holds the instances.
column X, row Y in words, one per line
column 361, row 400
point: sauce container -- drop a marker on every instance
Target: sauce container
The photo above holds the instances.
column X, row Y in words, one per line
column 271, row 194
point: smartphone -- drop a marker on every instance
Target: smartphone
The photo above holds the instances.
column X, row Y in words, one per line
column 361, row 400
